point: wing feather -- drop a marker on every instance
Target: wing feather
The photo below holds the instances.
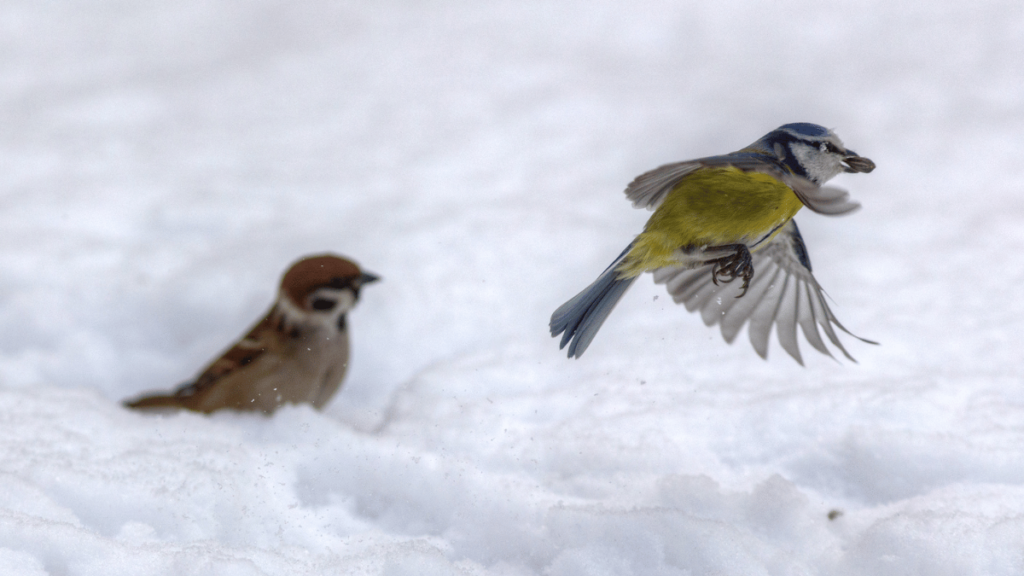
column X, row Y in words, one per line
column 786, row 321
column 809, row 321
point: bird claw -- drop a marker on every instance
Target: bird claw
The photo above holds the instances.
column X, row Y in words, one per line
column 737, row 265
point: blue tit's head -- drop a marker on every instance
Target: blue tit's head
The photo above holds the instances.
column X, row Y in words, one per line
column 811, row 151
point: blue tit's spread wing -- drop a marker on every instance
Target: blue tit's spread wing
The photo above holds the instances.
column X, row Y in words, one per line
column 827, row 200
column 649, row 189
column 783, row 293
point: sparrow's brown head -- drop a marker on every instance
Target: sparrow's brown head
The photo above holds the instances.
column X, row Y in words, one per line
column 323, row 283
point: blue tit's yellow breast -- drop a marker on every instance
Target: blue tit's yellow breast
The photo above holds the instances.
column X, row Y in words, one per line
column 711, row 207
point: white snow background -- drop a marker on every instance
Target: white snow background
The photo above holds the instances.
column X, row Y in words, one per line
column 163, row 163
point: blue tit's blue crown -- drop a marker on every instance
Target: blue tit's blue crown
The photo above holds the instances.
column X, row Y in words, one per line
column 806, row 129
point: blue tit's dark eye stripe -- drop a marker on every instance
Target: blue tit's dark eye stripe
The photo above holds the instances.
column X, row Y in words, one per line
column 323, row 304
column 829, row 147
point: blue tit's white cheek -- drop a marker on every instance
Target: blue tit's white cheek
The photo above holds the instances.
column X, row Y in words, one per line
column 820, row 166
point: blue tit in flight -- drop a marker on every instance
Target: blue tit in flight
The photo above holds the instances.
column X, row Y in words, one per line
column 725, row 218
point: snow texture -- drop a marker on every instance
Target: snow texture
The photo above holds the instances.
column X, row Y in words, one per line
column 163, row 162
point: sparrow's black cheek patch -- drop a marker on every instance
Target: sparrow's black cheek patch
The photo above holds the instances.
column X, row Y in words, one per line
column 323, row 304
column 341, row 322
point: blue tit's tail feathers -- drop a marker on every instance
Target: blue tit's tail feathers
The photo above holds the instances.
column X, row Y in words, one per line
column 579, row 319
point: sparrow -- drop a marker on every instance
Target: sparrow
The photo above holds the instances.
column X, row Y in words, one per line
column 298, row 353
column 721, row 218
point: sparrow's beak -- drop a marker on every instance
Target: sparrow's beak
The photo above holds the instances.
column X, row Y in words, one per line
column 367, row 278
column 854, row 163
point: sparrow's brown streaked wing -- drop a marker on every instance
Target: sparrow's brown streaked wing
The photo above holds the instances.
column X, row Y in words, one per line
column 243, row 353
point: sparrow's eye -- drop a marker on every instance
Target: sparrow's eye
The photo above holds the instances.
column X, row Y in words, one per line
column 323, row 304
column 823, row 147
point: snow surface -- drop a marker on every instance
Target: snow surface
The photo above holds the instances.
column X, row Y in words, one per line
column 163, row 162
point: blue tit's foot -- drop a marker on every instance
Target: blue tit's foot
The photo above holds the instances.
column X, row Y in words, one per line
column 736, row 265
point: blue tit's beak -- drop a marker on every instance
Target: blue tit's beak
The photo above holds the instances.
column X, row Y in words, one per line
column 367, row 278
column 853, row 163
